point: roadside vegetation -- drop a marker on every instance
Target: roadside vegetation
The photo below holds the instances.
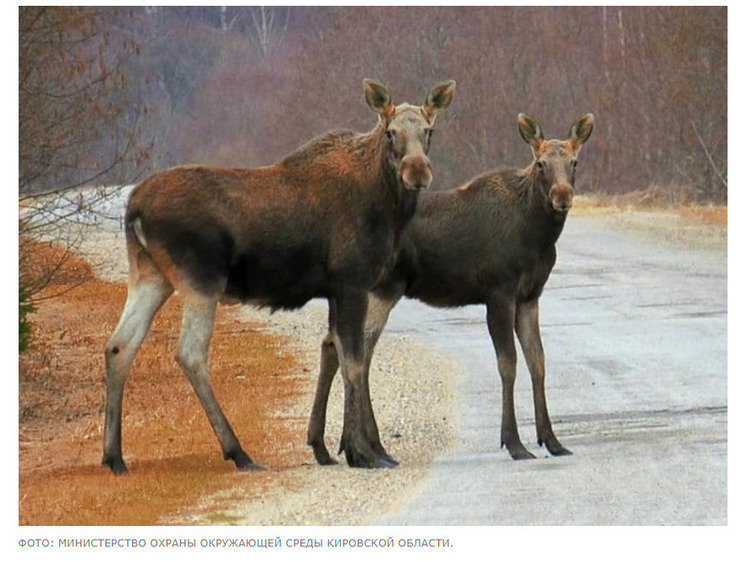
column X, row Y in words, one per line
column 660, row 214
column 677, row 201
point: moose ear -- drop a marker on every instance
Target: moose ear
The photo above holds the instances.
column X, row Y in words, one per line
column 530, row 131
column 377, row 97
column 439, row 97
column 581, row 130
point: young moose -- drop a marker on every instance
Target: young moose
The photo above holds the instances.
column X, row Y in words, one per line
column 489, row 242
column 323, row 222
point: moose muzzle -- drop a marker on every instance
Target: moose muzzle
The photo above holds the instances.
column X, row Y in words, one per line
column 561, row 197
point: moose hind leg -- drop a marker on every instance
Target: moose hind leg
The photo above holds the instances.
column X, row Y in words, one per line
column 198, row 319
column 144, row 297
column 328, row 366
column 528, row 332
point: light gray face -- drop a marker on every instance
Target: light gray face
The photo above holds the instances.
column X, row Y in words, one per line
column 556, row 160
column 408, row 130
column 408, row 141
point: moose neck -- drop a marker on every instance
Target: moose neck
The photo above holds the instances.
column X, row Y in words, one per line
column 403, row 201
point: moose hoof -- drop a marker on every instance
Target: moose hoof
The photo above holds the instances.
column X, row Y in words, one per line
column 519, row 453
column 357, row 459
column 393, row 462
column 522, row 455
column 322, row 456
column 379, row 450
column 556, row 449
column 116, row 465
column 242, row 461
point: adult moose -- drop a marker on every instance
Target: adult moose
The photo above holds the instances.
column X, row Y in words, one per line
column 323, row 222
column 492, row 242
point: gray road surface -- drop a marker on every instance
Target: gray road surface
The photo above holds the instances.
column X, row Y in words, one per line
column 635, row 334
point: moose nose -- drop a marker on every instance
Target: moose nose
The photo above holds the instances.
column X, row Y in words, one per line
column 561, row 197
column 416, row 172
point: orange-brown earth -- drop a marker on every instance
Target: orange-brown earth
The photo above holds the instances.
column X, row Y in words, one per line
column 172, row 453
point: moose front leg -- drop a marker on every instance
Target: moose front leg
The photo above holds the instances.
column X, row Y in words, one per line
column 359, row 425
column 528, row 331
column 376, row 317
column 501, row 313
column 379, row 307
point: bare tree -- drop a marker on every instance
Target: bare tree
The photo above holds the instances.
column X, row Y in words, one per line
column 269, row 26
column 76, row 127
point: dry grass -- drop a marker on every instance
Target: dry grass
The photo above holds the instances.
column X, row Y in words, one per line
column 705, row 214
column 653, row 199
column 661, row 215
column 172, row 453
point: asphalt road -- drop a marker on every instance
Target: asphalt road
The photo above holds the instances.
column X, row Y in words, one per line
column 635, row 334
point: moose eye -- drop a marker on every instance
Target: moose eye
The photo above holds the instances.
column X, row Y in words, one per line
column 540, row 165
column 574, row 164
column 427, row 143
column 390, row 135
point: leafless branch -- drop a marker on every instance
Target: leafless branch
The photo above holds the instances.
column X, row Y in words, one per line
column 708, row 155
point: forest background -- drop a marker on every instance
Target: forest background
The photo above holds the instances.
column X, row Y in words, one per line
column 108, row 95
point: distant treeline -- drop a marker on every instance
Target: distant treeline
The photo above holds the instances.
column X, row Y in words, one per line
column 244, row 86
